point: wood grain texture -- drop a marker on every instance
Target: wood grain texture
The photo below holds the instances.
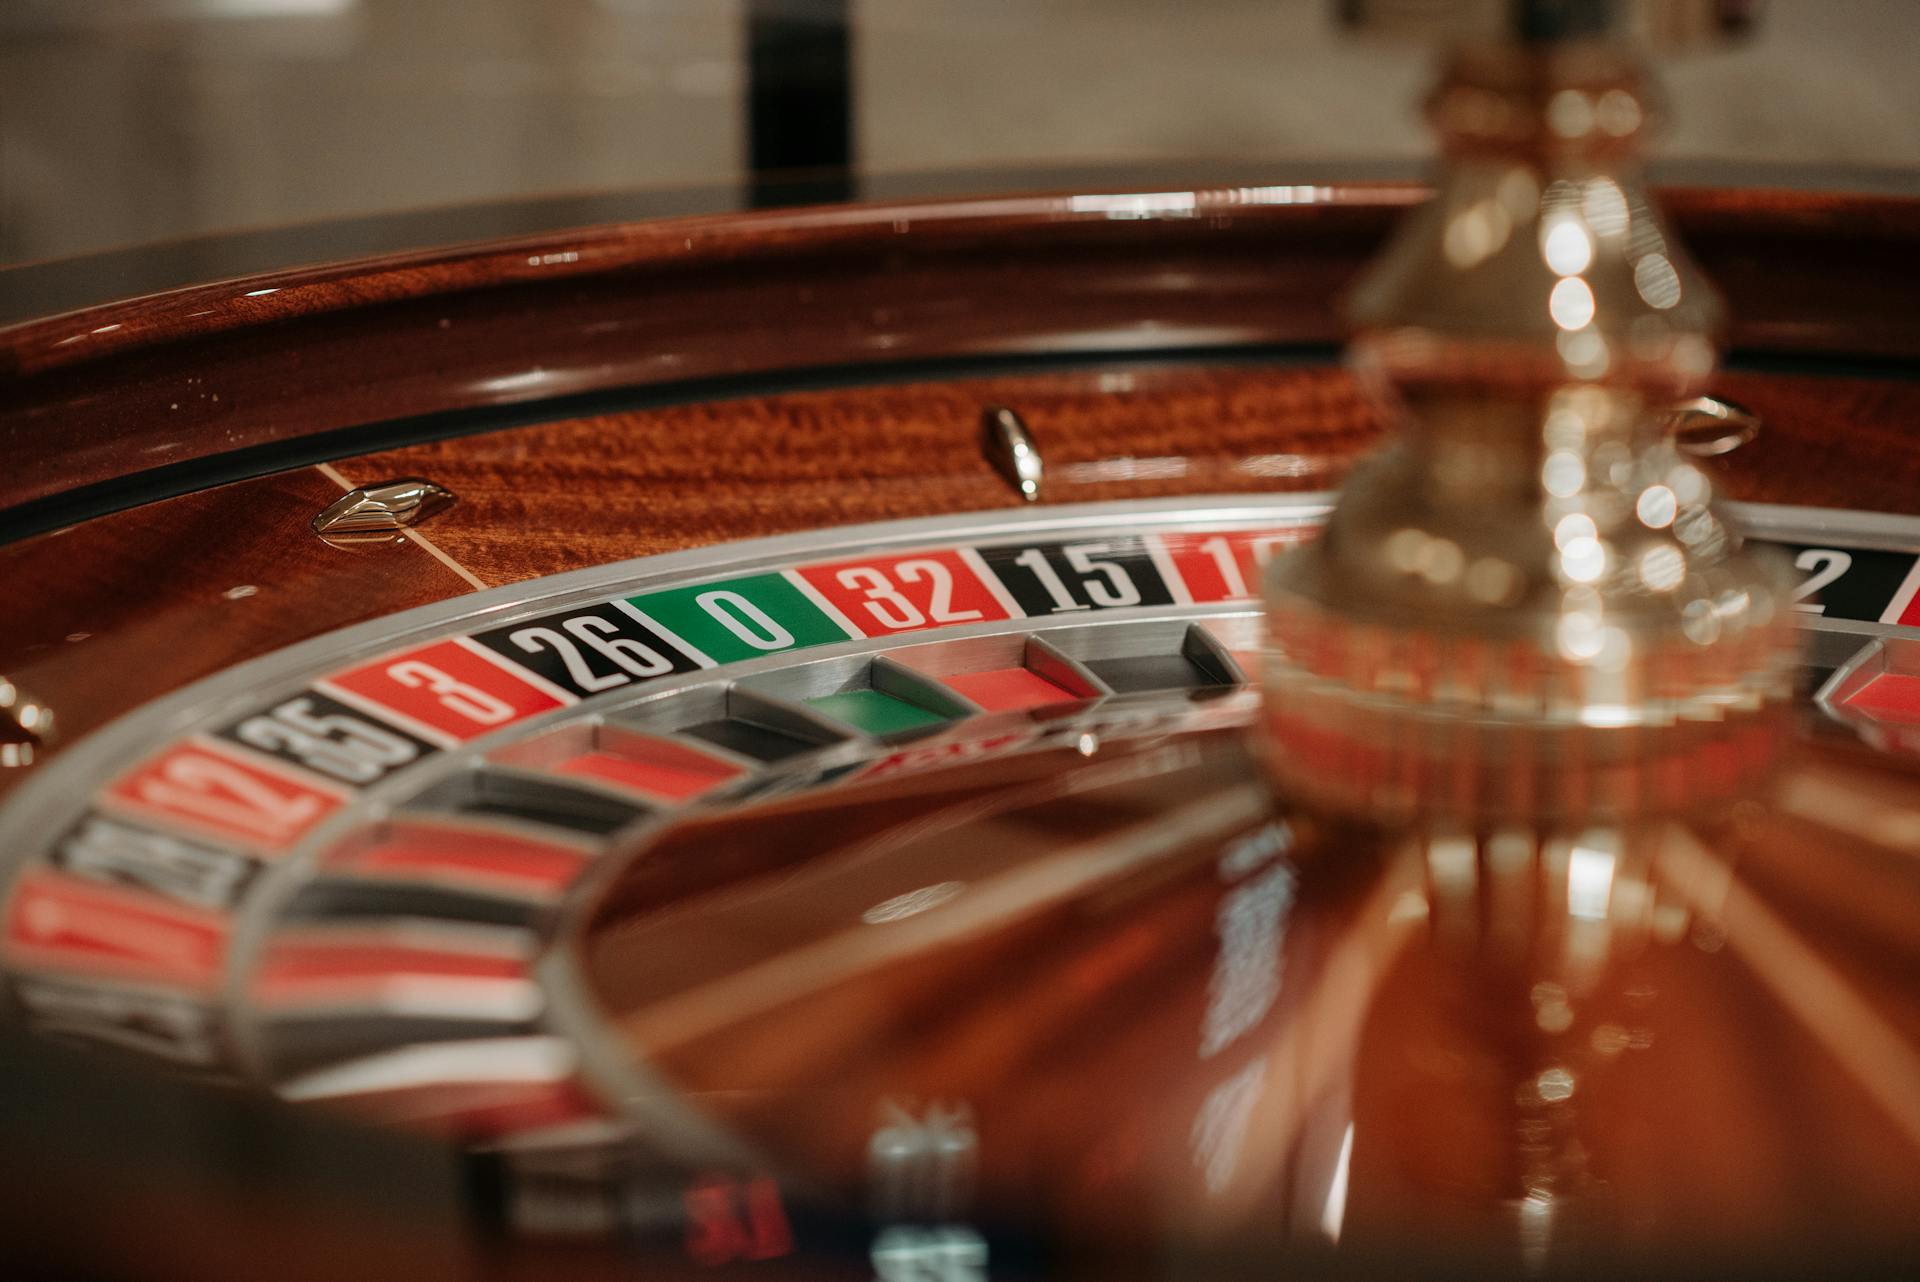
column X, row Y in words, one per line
column 146, row 590
column 706, row 245
column 127, row 607
column 560, row 496
column 1826, row 442
column 555, row 497
column 275, row 360
column 120, row 610
column 100, row 395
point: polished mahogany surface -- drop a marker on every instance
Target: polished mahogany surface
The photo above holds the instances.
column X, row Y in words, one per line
column 826, row 367
column 1169, row 1010
column 136, row 603
column 689, row 307
column 170, row 394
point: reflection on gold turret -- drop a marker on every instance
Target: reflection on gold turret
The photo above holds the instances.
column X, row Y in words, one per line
column 1531, row 657
column 1528, row 608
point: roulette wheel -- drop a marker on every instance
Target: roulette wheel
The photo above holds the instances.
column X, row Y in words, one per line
column 859, row 741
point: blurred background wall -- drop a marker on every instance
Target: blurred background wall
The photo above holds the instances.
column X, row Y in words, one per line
column 127, row 121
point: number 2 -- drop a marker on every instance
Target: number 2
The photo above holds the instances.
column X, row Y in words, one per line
column 602, row 637
column 1826, row 565
column 228, row 796
column 344, row 747
column 892, row 609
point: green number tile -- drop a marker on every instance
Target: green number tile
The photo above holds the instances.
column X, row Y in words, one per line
column 875, row 712
column 741, row 618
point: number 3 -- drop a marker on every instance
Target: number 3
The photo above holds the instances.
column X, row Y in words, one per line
column 455, row 695
column 884, row 601
column 886, row 604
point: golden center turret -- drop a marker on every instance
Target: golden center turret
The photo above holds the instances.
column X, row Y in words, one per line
column 1528, row 607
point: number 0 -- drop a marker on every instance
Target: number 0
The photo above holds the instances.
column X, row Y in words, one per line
column 745, row 620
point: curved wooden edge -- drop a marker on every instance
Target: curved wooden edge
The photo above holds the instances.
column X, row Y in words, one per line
column 97, row 399
column 707, row 239
column 702, row 240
